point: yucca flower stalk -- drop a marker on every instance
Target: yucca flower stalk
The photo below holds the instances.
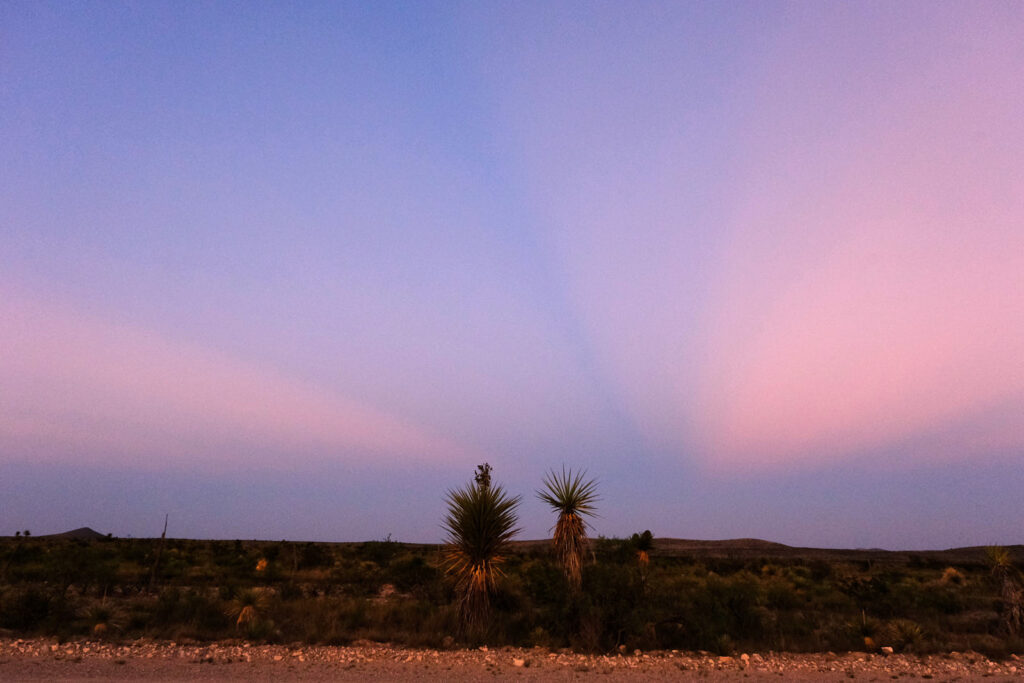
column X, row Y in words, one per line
column 480, row 522
column 573, row 498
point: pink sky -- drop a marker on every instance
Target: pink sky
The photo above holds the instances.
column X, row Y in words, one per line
column 76, row 384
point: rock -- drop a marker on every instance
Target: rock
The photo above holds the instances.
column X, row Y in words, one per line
column 516, row 661
column 886, row 650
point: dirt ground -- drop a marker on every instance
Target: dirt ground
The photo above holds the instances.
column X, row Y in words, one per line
column 44, row 659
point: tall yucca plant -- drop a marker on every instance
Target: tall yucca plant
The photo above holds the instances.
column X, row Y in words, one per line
column 1011, row 590
column 480, row 521
column 573, row 498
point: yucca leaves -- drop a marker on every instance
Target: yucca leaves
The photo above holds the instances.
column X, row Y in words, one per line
column 570, row 494
column 480, row 522
column 573, row 498
column 247, row 607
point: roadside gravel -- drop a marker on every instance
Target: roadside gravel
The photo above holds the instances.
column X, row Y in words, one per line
column 42, row 659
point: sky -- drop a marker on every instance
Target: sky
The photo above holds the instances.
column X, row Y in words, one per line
column 291, row 271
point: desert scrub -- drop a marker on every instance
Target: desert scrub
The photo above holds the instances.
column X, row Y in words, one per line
column 331, row 593
column 24, row 609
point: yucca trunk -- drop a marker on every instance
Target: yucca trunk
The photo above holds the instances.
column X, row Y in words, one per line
column 570, row 541
column 473, row 587
column 1013, row 604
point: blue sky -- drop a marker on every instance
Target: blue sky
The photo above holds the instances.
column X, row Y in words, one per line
column 292, row 272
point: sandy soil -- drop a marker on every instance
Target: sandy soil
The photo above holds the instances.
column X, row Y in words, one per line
column 48, row 660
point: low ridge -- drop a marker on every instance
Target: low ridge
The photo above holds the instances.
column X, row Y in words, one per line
column 81, row 534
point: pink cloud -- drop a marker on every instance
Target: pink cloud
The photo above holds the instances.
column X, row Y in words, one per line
column 852, row 279
column 74, row 382
column 871, row 291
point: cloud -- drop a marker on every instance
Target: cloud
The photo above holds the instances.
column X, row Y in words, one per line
column 810, row 251
column 869, row 294
column 76, row 386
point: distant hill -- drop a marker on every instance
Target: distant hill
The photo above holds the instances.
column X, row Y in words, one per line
column 742, row 549
column 82, row 534
column 757, row 549
column 683, row 545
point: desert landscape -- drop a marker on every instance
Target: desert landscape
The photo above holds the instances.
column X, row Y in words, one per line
column 84, row 605
column 729, row 294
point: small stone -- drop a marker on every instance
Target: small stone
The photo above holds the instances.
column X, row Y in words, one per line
column 887, row 650
column 516, row 661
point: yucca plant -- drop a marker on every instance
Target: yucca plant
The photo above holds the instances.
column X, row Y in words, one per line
column 573, row 498
column 103, row 618
column 904, row 634
column 247, row 607
column 1011, row 587
column 480, row 522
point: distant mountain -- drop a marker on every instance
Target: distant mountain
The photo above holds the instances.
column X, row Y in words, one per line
column 82, row 534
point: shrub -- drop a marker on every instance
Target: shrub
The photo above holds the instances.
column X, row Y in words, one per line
column 24, row 610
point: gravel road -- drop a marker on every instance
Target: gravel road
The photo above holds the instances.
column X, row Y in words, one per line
column 144, row 659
